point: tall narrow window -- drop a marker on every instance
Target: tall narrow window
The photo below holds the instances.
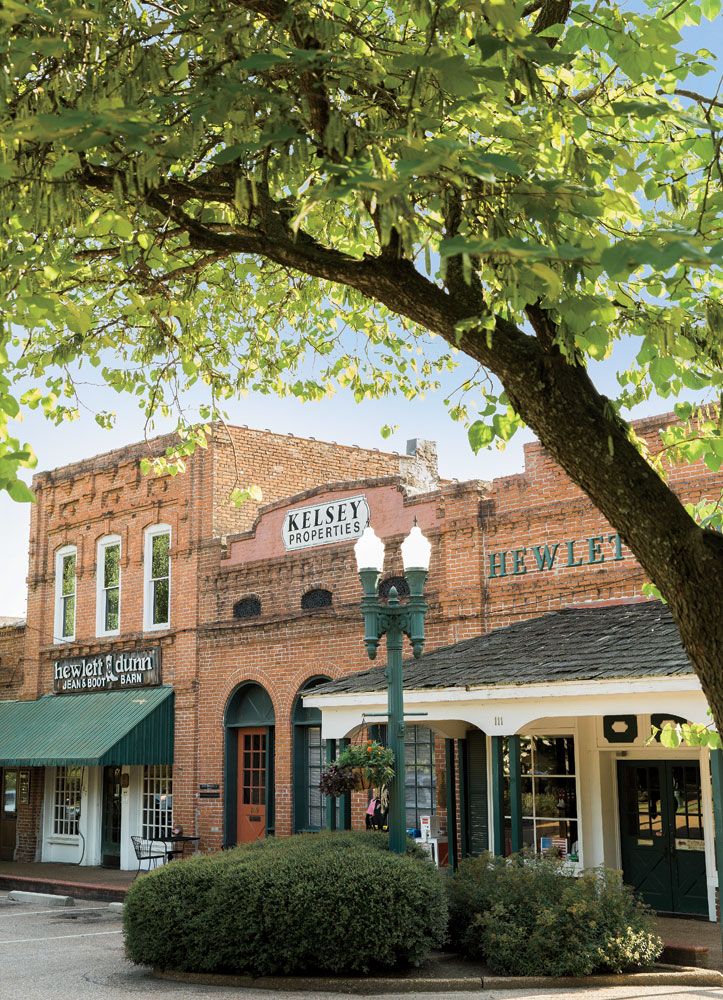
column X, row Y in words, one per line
column 65, row 560
column 108, row 586
column 158, row 577
column 157, row 801
column 66, row 803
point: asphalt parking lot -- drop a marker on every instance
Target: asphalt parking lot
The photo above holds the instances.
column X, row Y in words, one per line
column 64, row 953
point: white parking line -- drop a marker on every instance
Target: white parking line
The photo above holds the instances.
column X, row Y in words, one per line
column 59, row 937
column 56, row 909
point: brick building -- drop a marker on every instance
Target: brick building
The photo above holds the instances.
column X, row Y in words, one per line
column 176, row 663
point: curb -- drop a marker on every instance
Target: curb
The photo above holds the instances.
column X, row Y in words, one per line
column 659, row 976
column 49, row 899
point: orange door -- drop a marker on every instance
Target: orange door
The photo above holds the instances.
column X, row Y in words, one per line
column 251, row 795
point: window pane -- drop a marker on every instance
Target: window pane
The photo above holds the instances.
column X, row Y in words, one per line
column 68, row 616
column 555, row 797
column 554, row 755
column 10, row 790
column 159, row 556
column 160, row 602
column 112, row 601
column 66, row 803
column 112, row 566
column 68, row 574
column 157, row 801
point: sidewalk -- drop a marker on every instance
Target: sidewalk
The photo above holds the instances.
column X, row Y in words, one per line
column 108, row 884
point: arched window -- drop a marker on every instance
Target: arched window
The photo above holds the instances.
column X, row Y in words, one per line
column 108, row 586
column 394, row 581
column 157, row 573
column 247, row 607
column 315, row 599
column 65, row 573
column 309, row 762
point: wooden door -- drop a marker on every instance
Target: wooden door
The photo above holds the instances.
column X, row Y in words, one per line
column 253, row 749
column 8, row 812
column 661, row 830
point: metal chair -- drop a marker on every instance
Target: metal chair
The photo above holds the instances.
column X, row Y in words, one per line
column 147, row 850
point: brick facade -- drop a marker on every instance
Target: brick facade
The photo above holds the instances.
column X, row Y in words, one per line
column 221, row 554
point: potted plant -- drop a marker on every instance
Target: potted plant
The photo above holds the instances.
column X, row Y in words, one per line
column 358, row 766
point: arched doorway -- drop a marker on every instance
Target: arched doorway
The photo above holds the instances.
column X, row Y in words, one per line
column 249, row 724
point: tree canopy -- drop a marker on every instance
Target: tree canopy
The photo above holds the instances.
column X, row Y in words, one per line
column 291, row 197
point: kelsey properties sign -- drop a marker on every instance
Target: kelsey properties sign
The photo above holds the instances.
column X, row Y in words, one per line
column 324, row 523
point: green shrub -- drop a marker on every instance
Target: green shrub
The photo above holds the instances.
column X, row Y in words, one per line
column 328, row 903
column 525, row 916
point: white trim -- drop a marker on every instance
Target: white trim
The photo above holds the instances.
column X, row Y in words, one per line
column 60, row 555
column 153, row 532
column 563, row 689
column 103, row 544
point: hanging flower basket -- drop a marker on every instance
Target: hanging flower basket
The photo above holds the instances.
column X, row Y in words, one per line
column 358, row 766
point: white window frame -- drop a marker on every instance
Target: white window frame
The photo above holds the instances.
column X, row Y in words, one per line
column 157, row 783
column 100, row 589
column 60, row 555
column 151, row 533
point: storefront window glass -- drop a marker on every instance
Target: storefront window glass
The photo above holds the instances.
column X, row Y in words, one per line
column 549, row 796
column 66, row 805
column 419, row 775
column 157, row 801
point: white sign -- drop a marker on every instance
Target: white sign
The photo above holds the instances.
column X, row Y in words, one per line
column 135, row 668
column 333, row 521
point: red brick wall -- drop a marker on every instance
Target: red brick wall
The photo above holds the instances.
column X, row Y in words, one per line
column 12, row 654
column 542, row 505
column 29, row 818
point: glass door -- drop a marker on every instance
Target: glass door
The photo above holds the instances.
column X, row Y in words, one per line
column 8, row 812
column 111, row 817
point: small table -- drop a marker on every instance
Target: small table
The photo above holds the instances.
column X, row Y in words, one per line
column 181, row 839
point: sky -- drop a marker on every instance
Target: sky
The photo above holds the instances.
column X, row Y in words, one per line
column 338, row 419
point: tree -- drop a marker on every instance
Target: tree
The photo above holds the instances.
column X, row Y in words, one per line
column 292, row 196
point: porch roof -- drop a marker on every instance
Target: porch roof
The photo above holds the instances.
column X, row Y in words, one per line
column 575, row 644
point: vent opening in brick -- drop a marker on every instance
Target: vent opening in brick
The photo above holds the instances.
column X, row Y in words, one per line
column 247, row 607
column 315, row 599
column 394, row 581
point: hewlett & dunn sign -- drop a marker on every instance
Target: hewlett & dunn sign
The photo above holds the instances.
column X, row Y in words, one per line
column 333, row 521
column 567, row 554
column 106, row 671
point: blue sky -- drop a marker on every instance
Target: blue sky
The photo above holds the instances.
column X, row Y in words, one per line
column 339, row 419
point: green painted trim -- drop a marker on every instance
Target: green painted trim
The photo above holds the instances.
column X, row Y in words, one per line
column 230, row 786
column 452, row 843
column 716, row 773
column 463, row 798
column 513, row 743
column 498, row 813
column 298, row 786
column 345, row 801
column 330, row 804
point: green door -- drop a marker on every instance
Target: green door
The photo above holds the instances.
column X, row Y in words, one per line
column 111, row 817
column 661, row 830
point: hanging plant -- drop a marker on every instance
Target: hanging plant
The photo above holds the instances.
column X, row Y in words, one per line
column 358, row 766
column 336, row 781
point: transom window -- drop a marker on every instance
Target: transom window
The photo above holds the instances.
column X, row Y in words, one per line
column 158, row 577
column 549, row 796
column 108, row 591
column 65, row 570
column 66, row 801
column 157, row 801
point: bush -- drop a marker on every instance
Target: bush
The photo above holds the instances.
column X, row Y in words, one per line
column 328, row 903
column 524, row 916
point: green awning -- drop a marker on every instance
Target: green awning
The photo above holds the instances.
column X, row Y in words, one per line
column 112, row 727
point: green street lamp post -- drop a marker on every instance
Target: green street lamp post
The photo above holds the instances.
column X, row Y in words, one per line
column 395, row 620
